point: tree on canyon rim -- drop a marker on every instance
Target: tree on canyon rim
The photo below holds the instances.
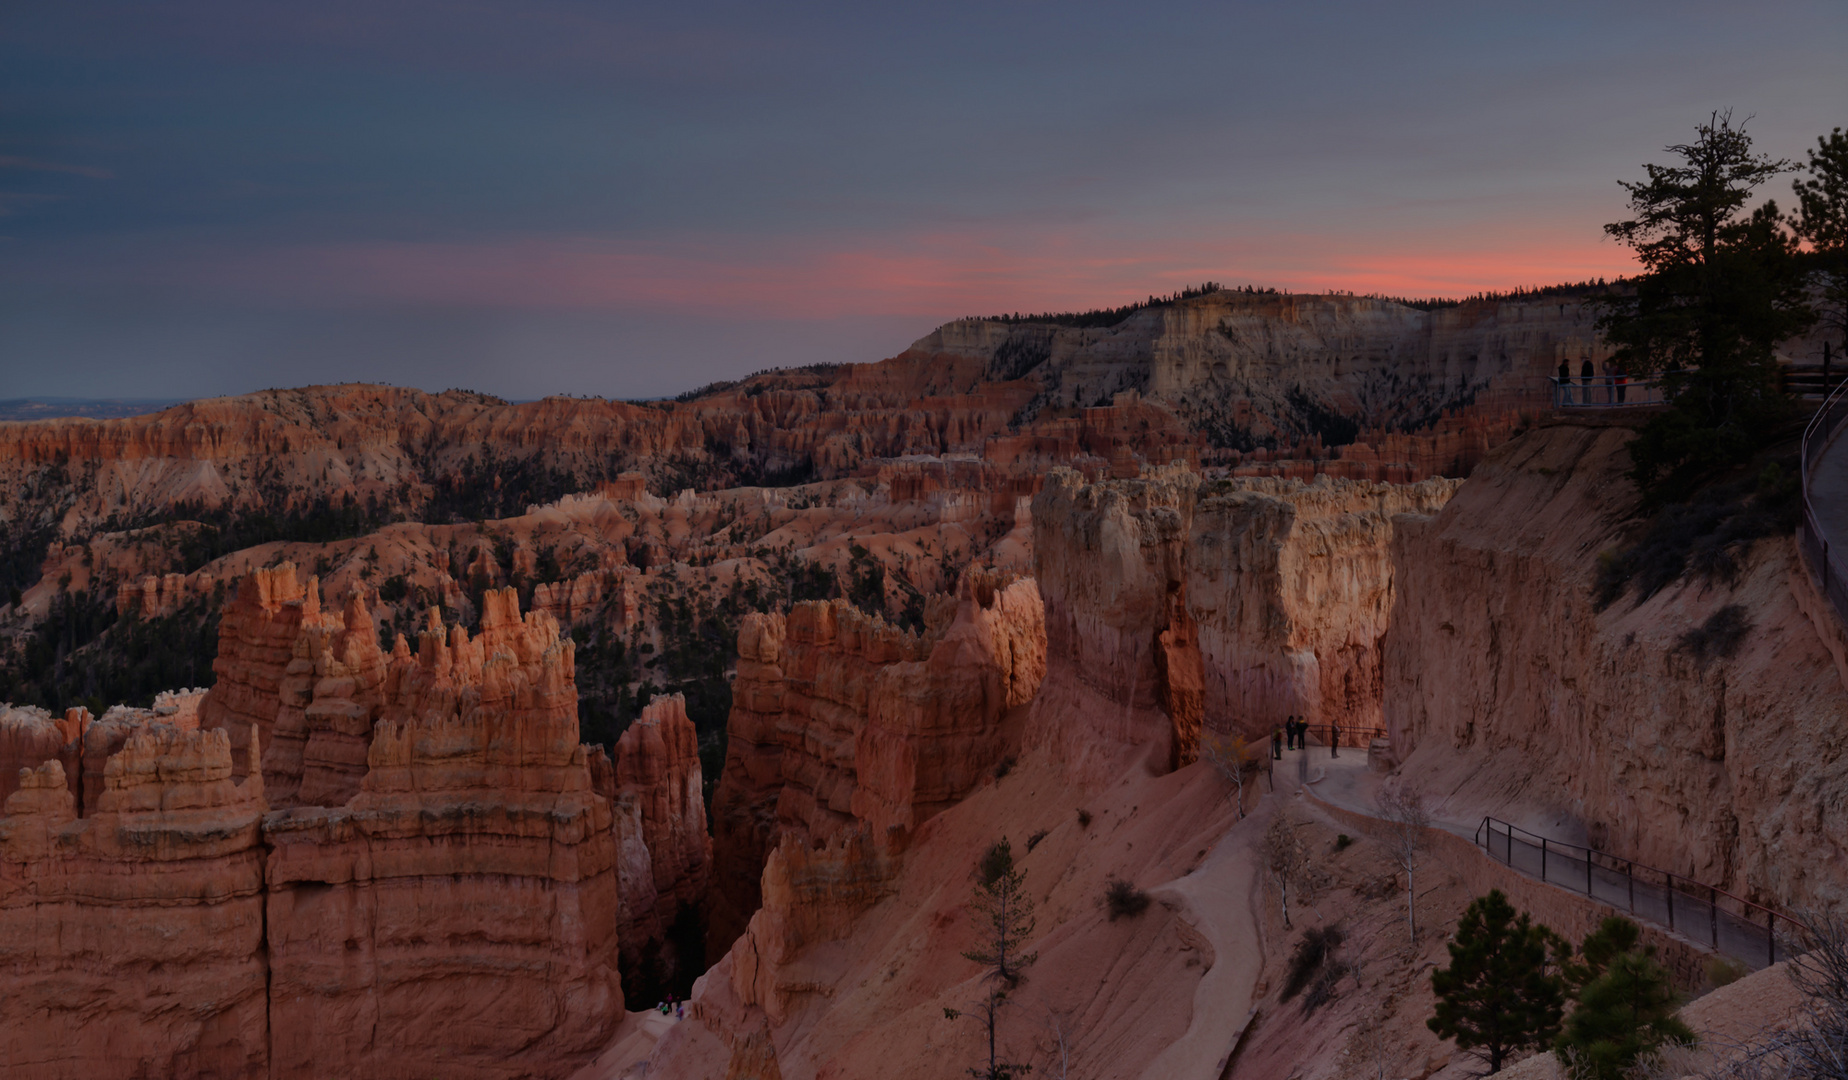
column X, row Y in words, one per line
column 1500, row 994
column 1004, row 916
column 1822, row 223
column 1721, row 287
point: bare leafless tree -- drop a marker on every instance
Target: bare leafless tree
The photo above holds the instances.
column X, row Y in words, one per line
column 1816, row 1047
column 1285, row 858
column 1230, row 757
column 1402, row 807
column 1059, row 1031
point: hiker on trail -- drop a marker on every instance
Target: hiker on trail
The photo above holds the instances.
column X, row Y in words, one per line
column 1295, row 735
column 1623, row 381
column 1565, row 382
column 1586, row 374
column 1276, row 744
column 1334, row 740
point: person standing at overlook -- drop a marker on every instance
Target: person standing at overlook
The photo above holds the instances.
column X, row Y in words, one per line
column 1565, row 382
column 1586, row 374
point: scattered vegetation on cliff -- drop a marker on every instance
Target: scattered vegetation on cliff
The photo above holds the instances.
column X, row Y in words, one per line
column 1708, row 535
column 1124, row 900
column 1099, row 318
column 82, row 653
column 1317, row 945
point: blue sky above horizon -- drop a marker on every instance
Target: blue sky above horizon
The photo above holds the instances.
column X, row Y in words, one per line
column 630, row 200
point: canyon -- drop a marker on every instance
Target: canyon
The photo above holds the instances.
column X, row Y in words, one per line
column 514, row 719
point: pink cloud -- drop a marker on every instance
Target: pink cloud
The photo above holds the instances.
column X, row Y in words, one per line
column 932, row 274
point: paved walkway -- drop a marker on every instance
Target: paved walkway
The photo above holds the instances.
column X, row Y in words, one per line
column 1828, row 493
column 1346, row 782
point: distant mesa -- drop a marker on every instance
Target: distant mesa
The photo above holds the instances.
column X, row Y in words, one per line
column 61, row 408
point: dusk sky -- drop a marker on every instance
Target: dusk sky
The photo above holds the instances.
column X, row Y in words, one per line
column 631, row 200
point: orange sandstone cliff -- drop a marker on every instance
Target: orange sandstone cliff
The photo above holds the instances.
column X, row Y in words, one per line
column 133, row 938
column 1506, row 686
column 839, row 719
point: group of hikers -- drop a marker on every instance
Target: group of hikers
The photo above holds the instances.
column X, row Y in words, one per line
column 1615, row 383
column 1295, row 736
column 671, row 1007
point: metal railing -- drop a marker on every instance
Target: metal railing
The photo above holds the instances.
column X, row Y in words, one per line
column 1606, row 392
column 1730, row 924
column 1825, row 564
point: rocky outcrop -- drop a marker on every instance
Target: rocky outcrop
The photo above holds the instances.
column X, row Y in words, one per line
column 933, row 727
column 811, row 895
column 839, row 719
column 30, row 736
column 460, row 911
column 1226, row 604
column 659, row 800
column 103, row 738
column 1506, row 686
column 133, row 938
column 1292, row 586
column 261, row 684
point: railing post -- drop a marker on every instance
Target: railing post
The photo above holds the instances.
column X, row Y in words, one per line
column 1713, row 914
column 1629, row 873
column 1670, row 896
column 1588, row 874
column 1543, row 858
column 1771, row 936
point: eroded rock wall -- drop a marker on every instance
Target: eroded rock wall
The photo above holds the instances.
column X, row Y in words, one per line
column 1227, row 604
column 132, row 938
column 461, row 910
column 1506, row 687
column 839, row 719
column 1292, row 586
column 660, row 800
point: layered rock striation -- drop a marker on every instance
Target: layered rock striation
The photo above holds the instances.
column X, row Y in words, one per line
column 840, row 720
column 133, row 938
column 463, row 910
column 462, row 907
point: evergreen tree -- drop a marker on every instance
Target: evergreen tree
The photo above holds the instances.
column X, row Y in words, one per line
column 1498, row 995
column 1614, row 936
column 1004, row 917
column 1624, row 1013
column 1721, row 287
column 1822, row 223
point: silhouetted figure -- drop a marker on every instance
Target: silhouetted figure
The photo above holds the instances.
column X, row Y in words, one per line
column 1623, row 381
column 1334, row 740
column 1276, row 744
column 1565, row 382
column 1586, row 374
